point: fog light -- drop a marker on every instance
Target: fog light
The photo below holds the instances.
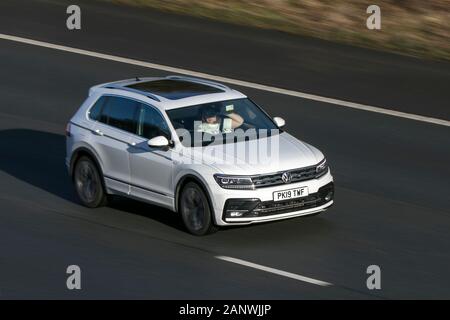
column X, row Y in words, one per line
column 239, row 208
column 235, row 213
column 326, row 193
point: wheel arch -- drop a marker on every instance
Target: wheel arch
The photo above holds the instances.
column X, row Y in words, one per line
column 84, row 151
column 193, row 178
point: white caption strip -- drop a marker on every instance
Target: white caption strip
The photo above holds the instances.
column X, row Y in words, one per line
column 242, row 83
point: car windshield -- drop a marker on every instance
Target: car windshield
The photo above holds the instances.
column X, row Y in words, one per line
column 221, row 122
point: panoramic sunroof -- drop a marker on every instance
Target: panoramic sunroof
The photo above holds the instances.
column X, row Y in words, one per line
column 174, row 89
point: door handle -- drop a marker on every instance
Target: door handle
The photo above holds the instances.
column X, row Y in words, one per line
column 98, row 132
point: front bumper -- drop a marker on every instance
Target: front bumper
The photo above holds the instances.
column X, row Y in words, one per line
column 255, row 210
column 258, row 205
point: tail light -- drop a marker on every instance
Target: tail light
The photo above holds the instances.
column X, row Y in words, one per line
column 68, row 130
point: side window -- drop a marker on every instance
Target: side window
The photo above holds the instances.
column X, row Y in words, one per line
column 151, row 124
column 120, row 113
column 96, row 109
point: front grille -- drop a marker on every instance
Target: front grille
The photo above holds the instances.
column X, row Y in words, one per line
column 274, row 179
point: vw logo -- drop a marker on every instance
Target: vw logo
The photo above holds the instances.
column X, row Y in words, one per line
column 286, row 177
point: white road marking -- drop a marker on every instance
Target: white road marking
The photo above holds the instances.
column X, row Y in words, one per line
column 275, row 271
column 236, row 82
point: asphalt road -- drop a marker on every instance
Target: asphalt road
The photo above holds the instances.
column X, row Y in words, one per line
column 392, row 174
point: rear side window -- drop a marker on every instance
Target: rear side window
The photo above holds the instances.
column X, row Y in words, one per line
column 120, row 113
column 95, row 111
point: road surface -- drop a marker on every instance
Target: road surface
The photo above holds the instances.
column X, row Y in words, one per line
column 392, row 174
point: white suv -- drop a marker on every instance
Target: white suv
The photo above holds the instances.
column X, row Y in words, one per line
column 173, row 142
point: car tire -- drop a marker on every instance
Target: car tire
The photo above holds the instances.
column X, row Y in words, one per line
column 195, row 210
column 88, row 183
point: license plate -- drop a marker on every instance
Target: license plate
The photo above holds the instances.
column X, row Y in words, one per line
column 290, row 194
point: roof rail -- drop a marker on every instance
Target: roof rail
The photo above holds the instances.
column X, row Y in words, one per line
column 145, row 93
column 198, row 80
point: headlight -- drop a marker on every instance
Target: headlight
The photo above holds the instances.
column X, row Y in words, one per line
column 321, row 168
column 234, row 182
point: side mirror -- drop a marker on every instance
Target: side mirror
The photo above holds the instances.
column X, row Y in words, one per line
column 279, row 122
column 158, row 142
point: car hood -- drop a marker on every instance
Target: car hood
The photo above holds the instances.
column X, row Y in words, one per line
column 240, row 159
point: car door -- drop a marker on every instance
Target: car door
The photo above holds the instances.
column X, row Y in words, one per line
column 111, row 134
column 151, row 168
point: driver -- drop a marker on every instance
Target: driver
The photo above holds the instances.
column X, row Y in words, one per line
column 211, row 121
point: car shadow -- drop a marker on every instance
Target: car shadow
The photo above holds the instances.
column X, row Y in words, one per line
column 38, row 158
